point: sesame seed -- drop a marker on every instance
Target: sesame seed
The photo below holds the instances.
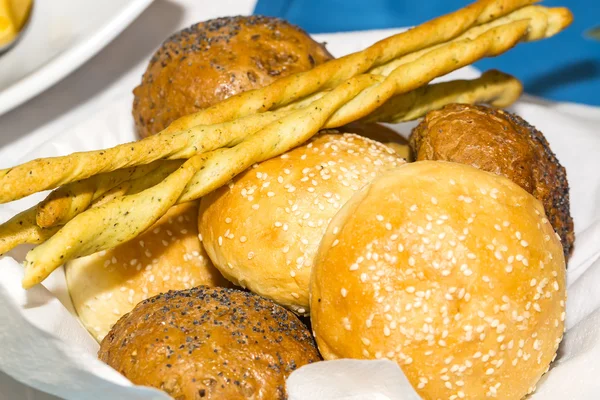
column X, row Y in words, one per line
column 344, row 292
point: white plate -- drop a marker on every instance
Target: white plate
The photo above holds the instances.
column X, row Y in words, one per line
column 61, row 35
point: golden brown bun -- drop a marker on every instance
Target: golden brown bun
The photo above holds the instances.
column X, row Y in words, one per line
column 500, row 142
column 452, row 272
column 262, row 230
column 206, row 343
column 106, row 285
column 213, row 60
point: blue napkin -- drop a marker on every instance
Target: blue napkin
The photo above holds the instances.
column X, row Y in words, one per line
column 565, row 67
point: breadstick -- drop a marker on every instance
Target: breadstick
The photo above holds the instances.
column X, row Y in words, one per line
column 48, row 173
column 22, row 229
column 28, row 178
column 433, row 100
column 330, row 74
column 64, row 203
column 108, row 225
column 541, row 27
column 544, row 22
column 468, row 48
column 493, row 87
column 405, row 78
column 124, row 218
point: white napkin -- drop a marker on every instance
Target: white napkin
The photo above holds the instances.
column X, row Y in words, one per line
column 45, row 347
column 350, row 380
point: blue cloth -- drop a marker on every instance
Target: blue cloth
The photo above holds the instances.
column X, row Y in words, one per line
column 565, row 67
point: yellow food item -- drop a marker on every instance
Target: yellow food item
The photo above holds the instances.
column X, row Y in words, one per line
column 13, row 15
column 20, row 10
column 8, row 31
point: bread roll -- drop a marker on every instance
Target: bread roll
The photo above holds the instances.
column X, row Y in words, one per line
column 452, row 272
column 262, row 230
column 213, row 60
column 108, row 284
column 206, row 343
column 505, row 144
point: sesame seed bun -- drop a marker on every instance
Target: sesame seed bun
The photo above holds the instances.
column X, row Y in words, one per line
column 262, row 231
column 106, row 285
column 210, row 343
column 452, row 272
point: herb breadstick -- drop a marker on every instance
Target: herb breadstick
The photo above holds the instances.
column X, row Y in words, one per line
column 493, row 87
column 50, row 173
column 68, row 200
column 405, row 78
column 331, row 73
column 108, row 225
column 414, row 104
column 543, row 23
column 124, row 218
column 22, row 229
